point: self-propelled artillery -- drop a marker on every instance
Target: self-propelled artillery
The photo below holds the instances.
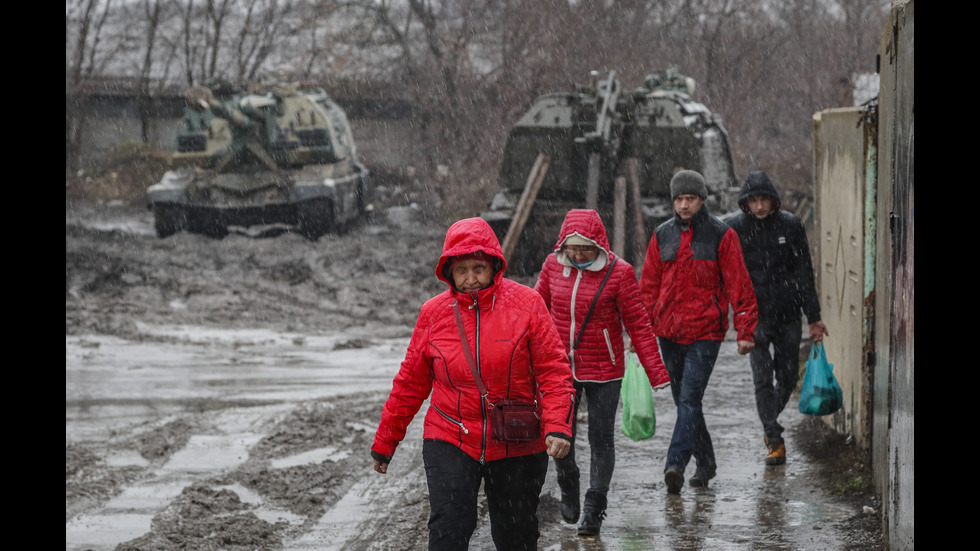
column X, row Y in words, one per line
column 598, row 134
column 281, row 154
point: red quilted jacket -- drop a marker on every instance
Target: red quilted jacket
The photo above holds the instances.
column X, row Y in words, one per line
column 568, row 292
column 692, row 272
column 509, row 331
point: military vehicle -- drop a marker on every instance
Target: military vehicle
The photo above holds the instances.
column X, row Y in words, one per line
column 280, row 155
column 595, row 135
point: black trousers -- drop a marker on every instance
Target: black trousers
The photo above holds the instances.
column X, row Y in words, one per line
column 512, row 487
column 775, row 373
column 602, row 402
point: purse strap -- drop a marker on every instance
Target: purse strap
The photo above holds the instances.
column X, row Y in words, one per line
column 467, row 353
column 484, row 393
column 594, row 301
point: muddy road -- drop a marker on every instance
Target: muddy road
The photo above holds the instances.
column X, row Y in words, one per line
column 223, row 394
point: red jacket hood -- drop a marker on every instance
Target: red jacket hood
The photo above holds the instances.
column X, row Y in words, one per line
column 469, row 236
column 588, row 224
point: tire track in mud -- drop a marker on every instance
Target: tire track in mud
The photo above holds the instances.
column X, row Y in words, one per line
column 305, row 482
column 244, row 437
column 355, row 522
column 130, row 513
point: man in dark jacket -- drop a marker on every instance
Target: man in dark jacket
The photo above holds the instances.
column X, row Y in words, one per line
column 778, row 258
column 694, row 269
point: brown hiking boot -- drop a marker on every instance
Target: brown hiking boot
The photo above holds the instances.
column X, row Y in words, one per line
column 777, row 455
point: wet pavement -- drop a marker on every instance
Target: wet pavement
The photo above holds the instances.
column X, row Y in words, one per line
column 112, row 382
column 747, row 506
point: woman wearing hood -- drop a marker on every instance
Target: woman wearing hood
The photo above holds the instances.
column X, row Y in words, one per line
column 484, row 340
column 570, row 280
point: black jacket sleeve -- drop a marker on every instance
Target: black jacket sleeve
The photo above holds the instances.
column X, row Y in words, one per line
column 809, row 300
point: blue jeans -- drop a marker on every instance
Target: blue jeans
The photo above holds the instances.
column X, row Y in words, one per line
column 512, row 486
column 690, row 367
column 775, row 375
column 602, row 400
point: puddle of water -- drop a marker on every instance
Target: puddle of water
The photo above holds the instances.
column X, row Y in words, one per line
column 111, row 381
column 125, row 458
column 329, row 453
column 104, row 532
column 151, row 495
column 206, row 453
column 129, row 514
column 125, row 517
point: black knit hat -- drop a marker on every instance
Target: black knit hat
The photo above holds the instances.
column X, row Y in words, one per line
column 688, row 182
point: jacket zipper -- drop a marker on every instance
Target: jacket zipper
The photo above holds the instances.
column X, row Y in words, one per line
column 721, row 314
column 571, row 330
column 571, row 409
column 609, row 346
column 479, row 371
column 452, row 420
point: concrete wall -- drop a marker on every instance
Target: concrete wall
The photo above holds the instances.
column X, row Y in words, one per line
column 894, row 437
column 841, row 142
column 864, row 166
column 384, row 137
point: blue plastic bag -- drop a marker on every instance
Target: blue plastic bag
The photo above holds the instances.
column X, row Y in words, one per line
column 821, row 393
column 639, row 417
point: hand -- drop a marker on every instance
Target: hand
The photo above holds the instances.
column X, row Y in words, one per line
column 744, row 347
column 661, row 379
column 380, row 467
column 557, row 447
column 818, row 330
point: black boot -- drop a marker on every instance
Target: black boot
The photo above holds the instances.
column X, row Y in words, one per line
column 592, row 513
column 569, row 499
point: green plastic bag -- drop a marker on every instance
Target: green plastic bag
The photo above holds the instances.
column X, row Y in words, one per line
column 639, row 417
column 821, row 393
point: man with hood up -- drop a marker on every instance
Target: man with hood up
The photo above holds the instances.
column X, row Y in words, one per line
column 569, row 281
column 693, row 270
column 499, row 330
column 777, row 256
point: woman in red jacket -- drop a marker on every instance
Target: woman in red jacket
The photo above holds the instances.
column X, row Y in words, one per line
column 569, row 281
column 493, row 328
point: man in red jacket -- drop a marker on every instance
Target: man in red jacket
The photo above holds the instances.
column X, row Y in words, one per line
column 693, row 270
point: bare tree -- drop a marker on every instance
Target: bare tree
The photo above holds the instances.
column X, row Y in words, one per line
column 152, row 11
column 264, row 25
column 86, row 57
column 217, row 13
column 190, row 49
column 471, row 67
column 313, row 16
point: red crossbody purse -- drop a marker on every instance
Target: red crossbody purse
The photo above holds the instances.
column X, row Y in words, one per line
column 510, row 420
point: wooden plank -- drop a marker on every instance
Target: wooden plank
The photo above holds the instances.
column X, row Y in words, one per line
column 523, row 209
column 592, row 185
column 641, row 243
column 619, row 215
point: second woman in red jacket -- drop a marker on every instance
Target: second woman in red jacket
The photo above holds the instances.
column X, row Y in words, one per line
column 569, row 281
